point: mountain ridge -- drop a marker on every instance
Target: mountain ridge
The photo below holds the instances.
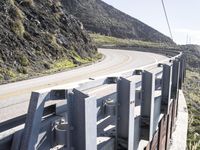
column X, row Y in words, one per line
column 100, row 17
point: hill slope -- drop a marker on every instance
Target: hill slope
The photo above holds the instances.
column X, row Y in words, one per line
column 192, row 94
column 99, row 17
column 193, row 54
column 40, row 35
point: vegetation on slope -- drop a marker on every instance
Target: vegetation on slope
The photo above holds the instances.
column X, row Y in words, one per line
column 99, row 17
column 192, row 94
column 38, row 37
column 102, row 40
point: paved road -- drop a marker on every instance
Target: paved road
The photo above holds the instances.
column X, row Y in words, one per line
column 14, row 97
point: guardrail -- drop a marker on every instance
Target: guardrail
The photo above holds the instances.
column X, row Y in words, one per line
column 134, row 109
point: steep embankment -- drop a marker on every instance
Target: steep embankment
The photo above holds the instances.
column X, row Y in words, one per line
column 38, row 36
column 192, row 94
column 99, row 17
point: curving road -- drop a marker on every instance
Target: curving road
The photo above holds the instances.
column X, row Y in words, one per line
column 14, row 97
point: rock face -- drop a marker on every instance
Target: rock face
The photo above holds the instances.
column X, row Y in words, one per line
column 99, row 17
column 36, row 33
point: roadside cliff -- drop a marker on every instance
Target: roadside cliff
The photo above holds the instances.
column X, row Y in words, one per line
column 40, row 36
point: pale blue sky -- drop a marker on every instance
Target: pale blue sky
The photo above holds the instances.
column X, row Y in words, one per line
column 184, row 16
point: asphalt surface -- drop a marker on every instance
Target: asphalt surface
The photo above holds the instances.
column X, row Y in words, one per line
column 14, row 97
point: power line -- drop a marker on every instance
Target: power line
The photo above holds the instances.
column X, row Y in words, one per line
column 163, row 4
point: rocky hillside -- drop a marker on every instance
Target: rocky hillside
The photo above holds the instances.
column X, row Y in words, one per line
column 99, row 17
column 39, row 35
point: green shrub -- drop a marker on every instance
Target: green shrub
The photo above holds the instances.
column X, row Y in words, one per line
column 23, row 60
column 22, row 70
column 53, row 40
column 1, row 77
column 10, row 74
column 7, row 73
column 63, row 64
column 78, row 58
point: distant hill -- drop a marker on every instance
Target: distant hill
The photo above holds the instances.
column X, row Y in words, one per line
column 99, row 17
column 37, row 36
column 192, row 53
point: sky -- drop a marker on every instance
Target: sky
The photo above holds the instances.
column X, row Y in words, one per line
column 184, row 16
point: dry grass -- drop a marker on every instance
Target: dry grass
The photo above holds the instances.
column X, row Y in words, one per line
column 18, row 27
column 18, row 13
column 53, row 40
column 29, row 2
column 57, row 3
column 102, row 40
column 12, row 2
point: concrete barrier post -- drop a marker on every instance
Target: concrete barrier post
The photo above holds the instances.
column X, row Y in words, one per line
column 83, row 128
column 181, row 73
column 175, row 79
column 33, row 120
column 125, row 113
column 147, row 108
column 166, row 88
